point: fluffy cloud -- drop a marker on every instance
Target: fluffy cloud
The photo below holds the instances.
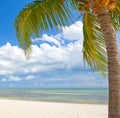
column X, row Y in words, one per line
column 73, row 32
column 46, row 57
column 49, row 39
column 12, row 78
column 56, row 65
column 43, row 59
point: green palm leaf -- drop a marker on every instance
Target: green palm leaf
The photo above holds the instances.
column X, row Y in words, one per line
column 39, row 16
column 42, row 15
column 115, row 16
column 94, row 50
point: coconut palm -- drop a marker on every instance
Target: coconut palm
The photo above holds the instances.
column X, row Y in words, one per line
column 101, row 20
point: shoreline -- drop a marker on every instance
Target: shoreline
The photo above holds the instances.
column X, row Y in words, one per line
column 35, row 109
column 67, row 102
column 79, row 96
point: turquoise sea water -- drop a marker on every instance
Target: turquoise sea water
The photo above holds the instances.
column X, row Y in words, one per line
column 76, row 95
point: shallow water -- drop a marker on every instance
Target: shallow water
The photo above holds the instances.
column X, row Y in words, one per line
column 76, row 95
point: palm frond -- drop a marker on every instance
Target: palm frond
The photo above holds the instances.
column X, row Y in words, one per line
column 38, row 16
column 82, row 8
column 115, row 16
column 94, row 50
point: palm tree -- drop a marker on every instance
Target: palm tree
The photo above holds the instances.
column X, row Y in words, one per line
column 101, row 20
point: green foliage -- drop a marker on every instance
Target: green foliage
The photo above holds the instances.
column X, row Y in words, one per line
column 94, row 50
column 38, row 16
column 45, row 14
column 115, row 16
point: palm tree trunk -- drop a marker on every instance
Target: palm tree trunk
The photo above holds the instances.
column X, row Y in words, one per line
column 113, row 61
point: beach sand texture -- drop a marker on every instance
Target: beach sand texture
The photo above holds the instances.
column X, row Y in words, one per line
column 30, row 109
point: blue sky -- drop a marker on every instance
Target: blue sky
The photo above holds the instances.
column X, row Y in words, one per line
column 8, row 11
column 56, row 60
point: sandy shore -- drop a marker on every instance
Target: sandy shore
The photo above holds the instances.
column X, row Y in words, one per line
column 29, row 109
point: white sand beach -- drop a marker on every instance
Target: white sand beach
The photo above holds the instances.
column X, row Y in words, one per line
column 30, row 109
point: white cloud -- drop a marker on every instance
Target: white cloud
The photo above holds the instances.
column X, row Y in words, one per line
column 48, row 59
column 11, row 78
column 44, row 58
column 73, row 32
column 49, row 39
column 18, row 78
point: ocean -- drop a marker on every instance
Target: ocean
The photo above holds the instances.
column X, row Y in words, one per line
column 67, row 95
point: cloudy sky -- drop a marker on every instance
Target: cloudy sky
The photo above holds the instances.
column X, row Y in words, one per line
column 56, row 59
